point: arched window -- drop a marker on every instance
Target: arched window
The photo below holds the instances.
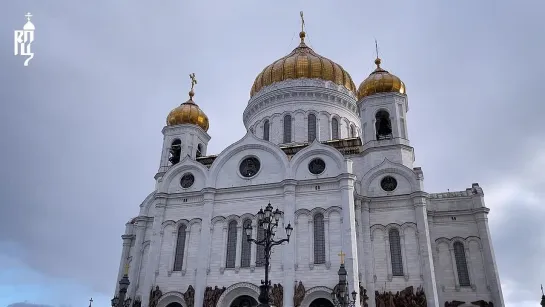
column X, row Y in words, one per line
column 175, row 151
column 311, row 127
column 287, row 129
column 334, row 129
column 199, row 151
column 231, row 245
column 180, row 248
column 383, row 126
column 260, row 255
column 266, row 130
column 461, row 264
column 352, row 131
column 245, row 254
column 395, row 252
column 319, row 239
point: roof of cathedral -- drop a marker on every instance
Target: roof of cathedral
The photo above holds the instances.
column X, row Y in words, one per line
column 348, row 146
column 188, row 112
column 380, row 81
column 302, row 62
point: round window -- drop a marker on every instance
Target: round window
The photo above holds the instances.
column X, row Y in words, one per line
column 249, row 167
column 316, row 166
column 187, row 180
column 388, row 183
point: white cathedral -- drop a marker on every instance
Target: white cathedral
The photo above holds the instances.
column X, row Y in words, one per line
column 336, row 159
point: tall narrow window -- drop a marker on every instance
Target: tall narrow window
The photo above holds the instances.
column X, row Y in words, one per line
column 287, row 129
column 175, row 151
column 245, row 254
column 395, row 252
column 352, row 131
column 334, row 129
column 319, row 239
column 180, row 248
column 383, row 125
column 260, row 255
column 461, row 264
column 311, row 127
column 199, row 151
column 231, row 245
column 266, row 130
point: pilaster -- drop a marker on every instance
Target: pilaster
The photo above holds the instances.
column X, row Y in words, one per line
column 367, row 255
column 288, row 250
column 204, row 247
column 421, row 214
column 349, row 245
column 137, row 255
column 154, row 252
column 127, row 239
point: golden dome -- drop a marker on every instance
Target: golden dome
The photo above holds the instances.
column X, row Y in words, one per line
column 380, row 81
column 188, row 113
column 303, row 62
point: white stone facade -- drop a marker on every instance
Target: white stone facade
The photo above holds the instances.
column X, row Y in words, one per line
column 359, row 217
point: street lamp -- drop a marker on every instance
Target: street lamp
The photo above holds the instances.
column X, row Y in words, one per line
column 268, row 220
column 340, row 294
column 119, row 301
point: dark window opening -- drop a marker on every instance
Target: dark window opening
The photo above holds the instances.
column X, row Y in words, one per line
column 175, row 151
column 383, row 125
column 266, row 130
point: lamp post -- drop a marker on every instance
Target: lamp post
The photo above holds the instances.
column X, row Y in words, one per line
column 340, row 294
column 268, row 221
column 120, row 301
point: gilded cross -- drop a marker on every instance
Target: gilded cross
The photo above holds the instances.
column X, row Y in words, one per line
column 302, row 22
column 376, row 47
column 28, row 15
column 90, row 302
column 341, row 254
column 193, row 80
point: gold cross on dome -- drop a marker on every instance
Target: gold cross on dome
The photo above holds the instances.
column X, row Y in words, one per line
column 127, row 269
column 193, row 80
column 341, row 254
column 302, row 22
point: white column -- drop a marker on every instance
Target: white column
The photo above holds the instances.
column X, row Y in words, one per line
column 404, row 254
column 349, row 230
column 388, row 256
column 288, row 249
column 137, row 257
column 454, row 267
column 154, row 252
column 127, row 239
column 421, row 214
column 204, row 247
column 253, row 247
column 186, row 249
column 367, row 252
column 239, row 247
column 361, row 270
column 327, row 244
column 224, row 248
column 311, row 242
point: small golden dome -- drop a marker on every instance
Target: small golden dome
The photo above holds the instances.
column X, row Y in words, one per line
column 303, row 62
column 380, row 81
column 188, row 113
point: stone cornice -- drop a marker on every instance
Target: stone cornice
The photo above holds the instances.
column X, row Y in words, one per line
column 379, row 99
column 314, row 90
column 176, row 130
column 436, row 213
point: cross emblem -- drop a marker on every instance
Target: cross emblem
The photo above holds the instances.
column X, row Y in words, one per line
column 193, row 80
column 90, row 302
column 28, row 15
column 341, row 254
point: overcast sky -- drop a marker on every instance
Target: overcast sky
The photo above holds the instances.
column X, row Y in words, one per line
column 80, row 127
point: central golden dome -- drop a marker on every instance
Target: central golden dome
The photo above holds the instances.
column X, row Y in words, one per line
column 303, row 62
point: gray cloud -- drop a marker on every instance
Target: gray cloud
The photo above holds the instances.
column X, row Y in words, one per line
column 80, row 127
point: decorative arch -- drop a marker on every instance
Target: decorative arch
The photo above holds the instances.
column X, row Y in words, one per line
column 316, row 148
column 318, row 210
column 171, row 297
column 168, row 223
column 236, row 290
column 316, row 293
column 332, row 209
column 248, row 142
column 146, row 204
column 181, row 222
column 186, row 164
column 389, row 167
column 302, row 212
column 233, row 217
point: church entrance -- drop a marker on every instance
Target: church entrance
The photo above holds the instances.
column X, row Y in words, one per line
column 244, row 301
column 174, row 305
column 321, row 302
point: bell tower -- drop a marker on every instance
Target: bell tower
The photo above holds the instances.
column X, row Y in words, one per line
column 382, row 102
column 185, row 133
